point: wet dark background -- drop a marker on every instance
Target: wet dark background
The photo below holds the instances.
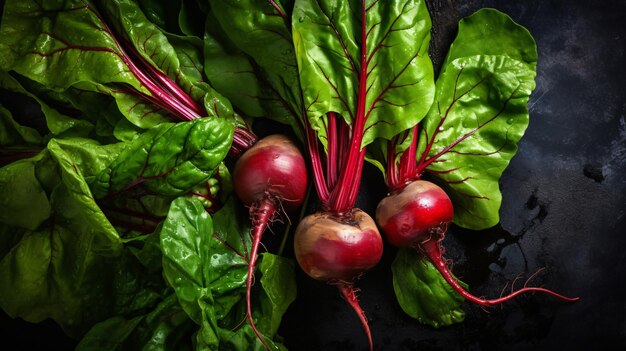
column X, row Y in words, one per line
column 564, row 204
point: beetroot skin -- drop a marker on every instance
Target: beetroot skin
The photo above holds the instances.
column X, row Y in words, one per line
column 336, row 249
column 273, row 167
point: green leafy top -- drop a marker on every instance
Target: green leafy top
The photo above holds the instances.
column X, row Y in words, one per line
column 58, row 45
column 366, row 62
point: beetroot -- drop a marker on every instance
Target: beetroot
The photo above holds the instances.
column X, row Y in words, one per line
column 270, row 177
column 335, row 249
column 338, row 250
column 417, row 215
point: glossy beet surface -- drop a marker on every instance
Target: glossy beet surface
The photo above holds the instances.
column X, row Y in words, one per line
column 408, row 216
column 332, row 249
column 274, row 166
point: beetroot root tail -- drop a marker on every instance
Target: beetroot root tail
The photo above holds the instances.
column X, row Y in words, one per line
column 261, row 214
column 348, row 293
column 432, row 250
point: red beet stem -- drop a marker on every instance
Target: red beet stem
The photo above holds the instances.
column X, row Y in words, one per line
column 262, row 214
column 348, row 292
column 431, row 248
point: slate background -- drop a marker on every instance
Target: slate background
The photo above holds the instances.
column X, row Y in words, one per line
column 564, row 204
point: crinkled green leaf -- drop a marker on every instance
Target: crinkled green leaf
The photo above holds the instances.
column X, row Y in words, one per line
column 368, row 62
column 255, row 45
column 203, row 260
column 79, row 160
column 72, row 268
column 423, row 293
column 12, row 133
column 169, row 159
column 200, row 268
column 164, row 328
column 57, row 123
column 23, row 201
column 471, row 132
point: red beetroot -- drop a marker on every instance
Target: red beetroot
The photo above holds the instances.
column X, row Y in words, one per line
column 338, row 250
column 418, row 216
column 271, row 175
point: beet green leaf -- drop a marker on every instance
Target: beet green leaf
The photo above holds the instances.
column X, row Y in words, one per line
column 479, row 114
column 421, row 291
column 58, row 45
column 68, row 263
column 255, row 43
column 205, row 261
column 169, row 159
column 366, row 61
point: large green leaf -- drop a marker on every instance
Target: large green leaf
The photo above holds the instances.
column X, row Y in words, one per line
column 169, row 159
column 58, row 45
column 491, row 32
column 72, row 268
column 471, row 132
column 230, row 70
column 255, row 43
column 422, row 292
column 153, row 45
column 366, row 61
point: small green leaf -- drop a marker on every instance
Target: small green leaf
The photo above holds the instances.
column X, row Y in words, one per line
column 200, row 268
column 12, row 133
column 23, row 201
column 423, row 293
column 278, row 291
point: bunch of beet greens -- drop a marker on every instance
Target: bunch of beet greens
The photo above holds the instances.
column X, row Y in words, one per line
column 136, row 194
